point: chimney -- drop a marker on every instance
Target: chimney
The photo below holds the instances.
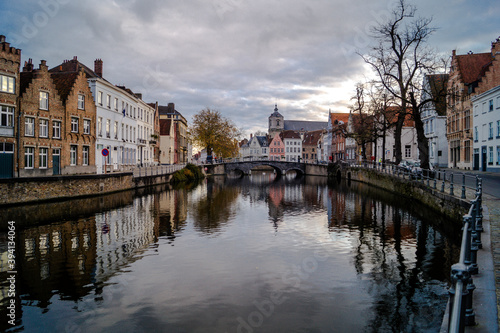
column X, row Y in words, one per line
column 251, row 136
column 2, row 39
column 171, row 108
column 43, row 65
column 138, row 95
column 28, row 65
column 98, row 67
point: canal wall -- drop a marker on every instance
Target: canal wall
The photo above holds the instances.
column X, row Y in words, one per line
column 34, row 189
column 450, row 206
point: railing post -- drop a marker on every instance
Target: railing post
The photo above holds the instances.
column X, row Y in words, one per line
column 442, row 185
column 451, row 184
column 435, row 182
column 458, row 293
column 463, row 186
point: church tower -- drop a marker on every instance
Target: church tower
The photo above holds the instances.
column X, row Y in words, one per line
column 276, row 122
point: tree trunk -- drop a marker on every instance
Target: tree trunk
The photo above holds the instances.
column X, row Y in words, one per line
column 423, row 142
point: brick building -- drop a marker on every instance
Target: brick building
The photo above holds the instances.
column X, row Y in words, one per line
column 310, row 146
column 79, row 126
column 10, row 61
column 43, row 120
column 465, row 74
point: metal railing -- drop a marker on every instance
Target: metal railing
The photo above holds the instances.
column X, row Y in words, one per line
column 462, row 288
column 157, row 170
column 452, row 183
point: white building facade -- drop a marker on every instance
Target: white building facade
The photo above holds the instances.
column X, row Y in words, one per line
column 434, row 119
column 486, row 132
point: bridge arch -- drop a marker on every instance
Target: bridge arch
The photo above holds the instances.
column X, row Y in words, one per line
column 279, row 166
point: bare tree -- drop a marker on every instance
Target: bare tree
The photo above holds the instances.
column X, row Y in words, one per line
column 362, row 120
column 398, row 60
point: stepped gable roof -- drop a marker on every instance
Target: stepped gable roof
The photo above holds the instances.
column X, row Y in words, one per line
column 74, row 66
column 64, row 83
column 24, row 82
column 304, row 125
column 165, row 126
column 289, row 134
column 473, row 66
column 312, row 138
column 438, row 84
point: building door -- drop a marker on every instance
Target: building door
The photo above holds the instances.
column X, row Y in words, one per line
column 484, row 161
column 56, row 161
column 6, row 160
column 476, row 159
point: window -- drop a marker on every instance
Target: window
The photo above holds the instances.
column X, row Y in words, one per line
column 498, row 155
column 498, row 128
column 6, row 116
column 467, row 120
column 123, row 131
column 467, row 150
column 56, row 129
column 490, row 157
column 108, row 128
column 44, row 128
column 99, row 126
column 29, row 126
column 490, row 137
column 108, row 101
column 86, row 126
column 72, row 154
column 99, row 98
column 407, row 151
column 7, row 84
column 44, row 100
column 85, row 155
column 116, row 104
column 28, row 157
column 490, row 105
column 476, row 134
column 74, row 125
column 81, row 102
column 116, row 130
column 43, row 158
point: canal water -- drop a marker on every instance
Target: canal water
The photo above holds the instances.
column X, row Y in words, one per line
column 253, row 254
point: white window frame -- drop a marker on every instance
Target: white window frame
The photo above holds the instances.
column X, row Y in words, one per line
column 99, row 98
column 85, row 155
column 43, row 156
column 29, row 126
column 73, row 155
column 74, row 125
column 56, row 129
column 6, row 116
column 29, row 155
column 86, row 126
column 43, row 100
column 99, row 126
column 108, row 101
column 108, row 128
column 43, row 128
column 81, row 102
column 7, row 84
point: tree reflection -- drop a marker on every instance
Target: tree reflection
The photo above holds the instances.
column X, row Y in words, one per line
column 216, row 208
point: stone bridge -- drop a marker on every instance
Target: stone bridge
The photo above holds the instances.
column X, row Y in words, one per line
column 245, row 167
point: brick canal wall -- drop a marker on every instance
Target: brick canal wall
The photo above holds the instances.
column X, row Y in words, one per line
column 21, row 190
column 448, row 205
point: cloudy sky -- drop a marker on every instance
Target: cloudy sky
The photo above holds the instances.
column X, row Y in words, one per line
column 239, row 57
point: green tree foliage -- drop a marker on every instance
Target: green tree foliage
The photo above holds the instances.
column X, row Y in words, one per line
column 215, row 133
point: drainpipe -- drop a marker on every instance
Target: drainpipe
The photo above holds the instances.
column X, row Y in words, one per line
column 18, row 140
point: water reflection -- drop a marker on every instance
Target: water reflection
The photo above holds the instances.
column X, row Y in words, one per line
column 350, row 257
